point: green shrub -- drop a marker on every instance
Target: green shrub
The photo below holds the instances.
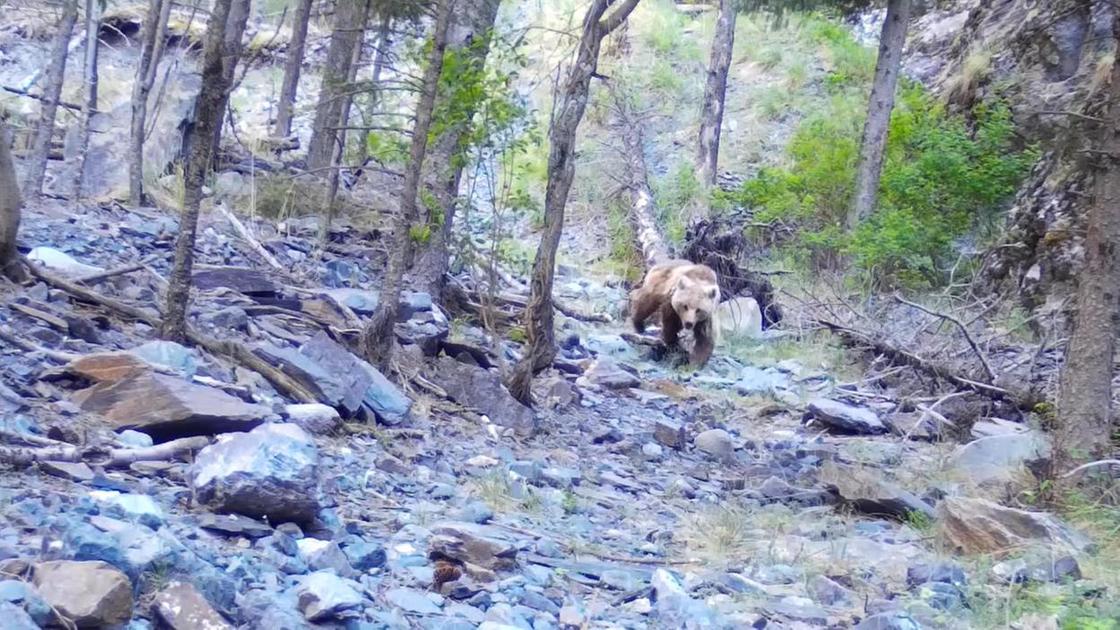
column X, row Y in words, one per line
column 941, row 177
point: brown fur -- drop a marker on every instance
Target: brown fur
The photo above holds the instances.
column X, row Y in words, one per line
column 685, row 296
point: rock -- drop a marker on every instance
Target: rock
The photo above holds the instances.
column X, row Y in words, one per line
column 359, row 301
column 348, row 381
column 862, row 488
column 715, row 442
column 315, row 418
column 479, row 545
column 483, row 390
column 669, row 433
column 363, row 555
column 68, row 470
column 652, row 450
column 607, row 374
column 324, row 595
column 914, row 425
column 974, row 526
column 234, row 524
column 90, row 594
column 166, row 407
column 894, row 620
column 411, row 600
column 61, row 262
column 136, row 507
column 477, row 512
column 135, row 439
column 386, row 400
column 28, row 600
column 828, row 592
column 846, row 418
column 107, row 367
column 740, row 316
column 1000, row 458
column 946, row 572
column 179, row 606
column 16, row 618
column 941, row 596
column 571, row 616
column 241, row 279
column 324, row 555
column 996, row 426
column 1038, row 567
column 168, row 354
column 754, row 381
column 798, row 610
column 271, row 471
column 230, row 318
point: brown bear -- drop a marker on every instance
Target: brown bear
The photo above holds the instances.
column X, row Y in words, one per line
column 685, row 296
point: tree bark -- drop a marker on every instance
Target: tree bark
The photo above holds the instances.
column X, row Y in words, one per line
column 1085, row 390
column 292, row 66
column 874, row 142
column 378, row 337
column 89, row 105
column 151, row 51
column 10, row 206
column 332, row 93
column 52, row 92
column 569, row 104
column 209, row 110
column 384, row 43
column 715, row 92
column 443, row 171
column 643, row 212
column 231, row 52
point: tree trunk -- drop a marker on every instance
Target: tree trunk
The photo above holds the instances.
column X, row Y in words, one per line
column 10, row 205
column 151, row 51
column 89, row 106
column 332, row 93
column 715, row 91
column 568, row 106
column 874, row 142
column 643, row 212
column 1085, row 393
column 384, row 43
column 209, row 110
column 378, row 336
column 52, row 92
column 231, row 52
column 339, row 148
column 444, row 168
column 292, row 66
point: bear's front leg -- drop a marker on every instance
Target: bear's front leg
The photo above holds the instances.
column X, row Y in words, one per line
column 642, row 307
column 670, row 327
column 703, row 345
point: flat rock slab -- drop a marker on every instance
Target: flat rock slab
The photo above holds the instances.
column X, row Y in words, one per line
column 1000, row 458
column 846, row 418
column 166, row 407
column 670, row 433
column 977, row 526
column 180, row 606
column 483, row 390
column 865, row 490
column 234, row 525
column 107, row 367
column 90, row 594
column 74, row 471
column 323, row 595
column 240, row 279
column 481, row 545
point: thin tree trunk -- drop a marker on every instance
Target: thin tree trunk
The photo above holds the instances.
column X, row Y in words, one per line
column 643, row 211
column 10, row 206
column 231, row 52
column 568, row 107
column 292, row 66
column 209, row 110
column 874, row 142
column 52, row 92
column 384, row 42
column 1085, row 393
column 332, row 93
column 339, row 147
column 89, row 106
column 378, row 337
column 715, row 91
column 444, row 168
column 151, row 51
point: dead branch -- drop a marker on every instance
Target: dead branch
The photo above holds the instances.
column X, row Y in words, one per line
column 119, row 271
column 8, row 335
column 112, row 458
column 960, row 325
column 249, row 238
column 123, row 457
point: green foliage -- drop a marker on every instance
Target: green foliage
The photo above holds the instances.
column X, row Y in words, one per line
column 941, row 176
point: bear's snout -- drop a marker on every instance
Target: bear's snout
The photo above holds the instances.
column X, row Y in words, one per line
column 688, row 325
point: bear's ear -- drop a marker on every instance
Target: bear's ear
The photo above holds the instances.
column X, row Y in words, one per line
column 682, row 283
column 713, row 293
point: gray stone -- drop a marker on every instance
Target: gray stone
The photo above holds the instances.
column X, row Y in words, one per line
column 715, row 442
column 411, row 600
column 169, row 354
column 947, row 572
column 607, row 374
column 28, row 599
column 361, row 302
column 241, row 279
column 480, row 545
column 349, row 380
column 315, row 418
column 474, row 387
column 137, row 507
column 74, row 471
column 846, row 418
column 669, row 433
column 652, row 450
column 1000, row 458
column 1038, row 567
column 863, row 489
column 323, row 596
column 179, row 606
column 323, row 555
column 90, row 594
column 134, row 439
column 828, row 592
column 234, row 524
column 477, row 512
column 364, row 555
column 982, row 527
column 61, row 262
column 16, row 618
column 387, row 401
column 272, row 471
column 894, row 620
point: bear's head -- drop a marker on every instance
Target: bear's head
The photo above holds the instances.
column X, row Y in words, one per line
column 694, row 301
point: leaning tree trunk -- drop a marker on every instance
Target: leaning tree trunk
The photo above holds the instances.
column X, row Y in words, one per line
column 568, row 106
column 338, row 153
column 874, row 142
column 324, row 132
column 378, row 336
column 469, row 36
column 209, row 110
column 292, row 66
column 231, row 50
column 1085, row 392
column 715, row 91
column 10, row 205
column 151, row 52
column 89, row 105
column 643, row 211
column 52, row 92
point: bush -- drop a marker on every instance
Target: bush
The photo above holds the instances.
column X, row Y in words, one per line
column 942, row 176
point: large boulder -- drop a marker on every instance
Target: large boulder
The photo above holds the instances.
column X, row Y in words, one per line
column 864, row 489
column 1000, row 458
column 846, row 418
column 483, row 390
column 978, row 526
column 166, row 407
column 271, row 471
column 89, row 594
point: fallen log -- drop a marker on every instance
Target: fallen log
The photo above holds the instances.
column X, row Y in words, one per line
column 643, row 212
column 110, row 458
